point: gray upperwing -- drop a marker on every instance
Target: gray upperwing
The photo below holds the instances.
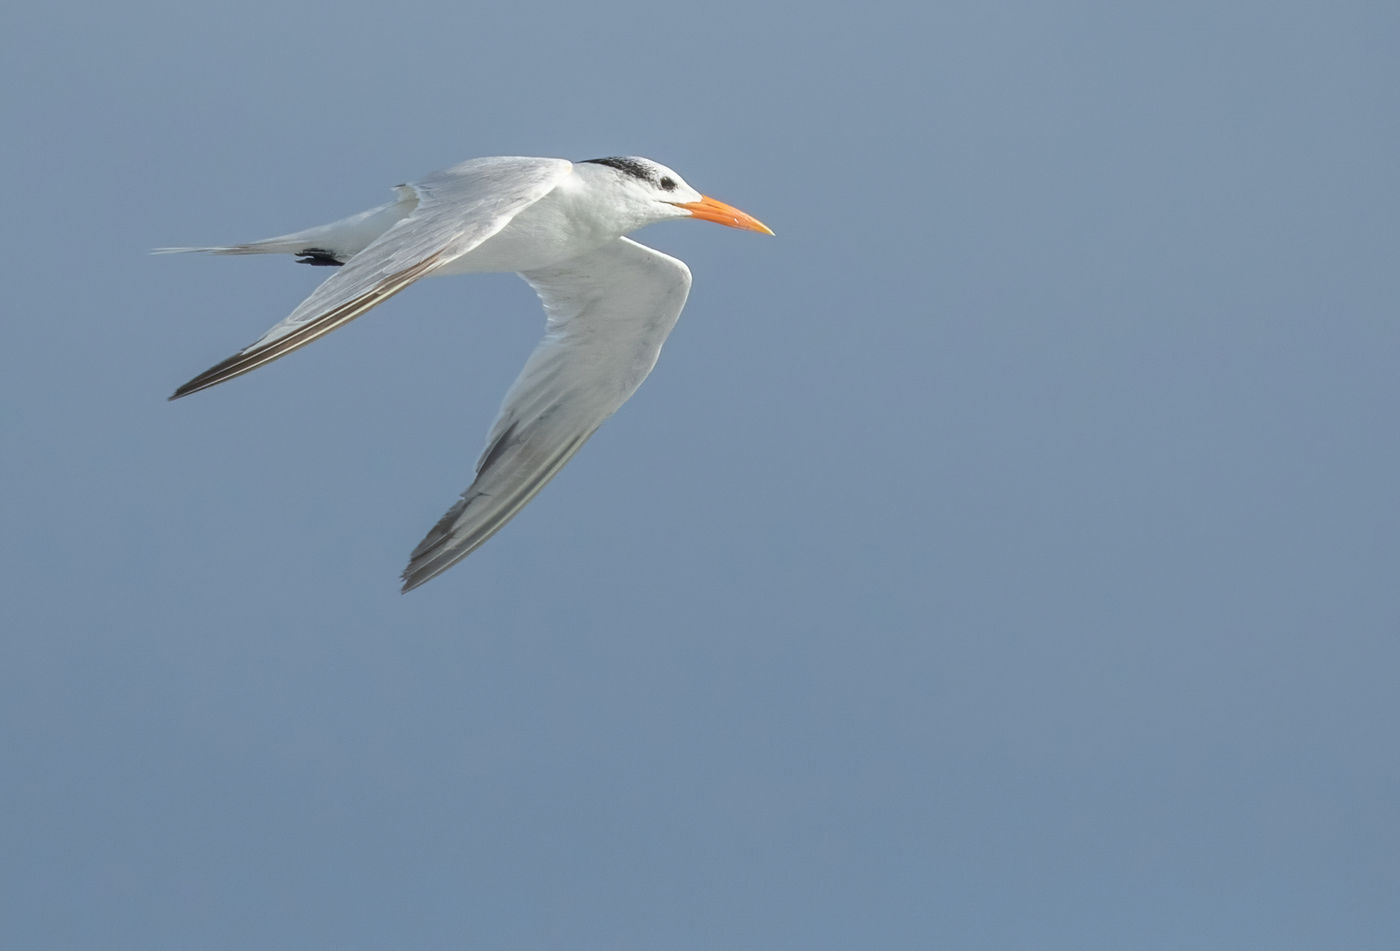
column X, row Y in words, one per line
column 609, row 311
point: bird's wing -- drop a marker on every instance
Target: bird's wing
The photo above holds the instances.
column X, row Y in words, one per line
column 457, row 210
column 609, row 310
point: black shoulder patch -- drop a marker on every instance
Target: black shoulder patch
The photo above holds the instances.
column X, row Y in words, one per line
column 319, row 257
column 630, row 166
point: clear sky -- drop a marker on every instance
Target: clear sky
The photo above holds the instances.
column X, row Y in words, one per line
column 1005, row 555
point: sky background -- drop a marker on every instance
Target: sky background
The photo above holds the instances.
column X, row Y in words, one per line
column 1005, row 555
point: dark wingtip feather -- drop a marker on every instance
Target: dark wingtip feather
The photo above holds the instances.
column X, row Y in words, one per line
column 216, row 374
column 425, row 561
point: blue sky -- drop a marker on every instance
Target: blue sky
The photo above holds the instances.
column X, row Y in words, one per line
column 1004, row 555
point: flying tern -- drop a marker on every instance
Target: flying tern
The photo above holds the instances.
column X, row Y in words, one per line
column 610, row 303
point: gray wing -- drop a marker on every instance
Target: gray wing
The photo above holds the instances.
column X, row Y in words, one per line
column 457, row 209
column 609, row 310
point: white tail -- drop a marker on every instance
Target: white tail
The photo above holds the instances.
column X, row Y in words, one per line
column 332, row 243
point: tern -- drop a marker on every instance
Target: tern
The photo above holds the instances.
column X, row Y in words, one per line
column 609, row 302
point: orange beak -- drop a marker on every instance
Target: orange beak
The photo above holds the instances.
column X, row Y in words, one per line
column 707, row 209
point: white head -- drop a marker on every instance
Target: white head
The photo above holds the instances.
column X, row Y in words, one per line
column 652, row 192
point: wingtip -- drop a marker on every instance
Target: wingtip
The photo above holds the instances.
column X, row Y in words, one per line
column 188, row 387
column 420, row 571
column 416, row 574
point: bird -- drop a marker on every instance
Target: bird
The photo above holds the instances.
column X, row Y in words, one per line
column 609, row 303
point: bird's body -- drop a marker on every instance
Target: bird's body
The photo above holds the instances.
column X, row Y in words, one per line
column 610, row 303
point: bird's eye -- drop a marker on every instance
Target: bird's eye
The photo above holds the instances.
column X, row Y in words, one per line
column 667, row 183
